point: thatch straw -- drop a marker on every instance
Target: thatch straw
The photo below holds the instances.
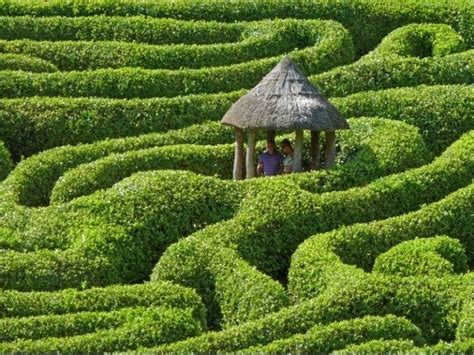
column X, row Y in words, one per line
column 285, row 99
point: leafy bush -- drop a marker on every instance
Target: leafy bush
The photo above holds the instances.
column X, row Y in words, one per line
column 258, row 40
column 117, row 28
column 419, row 40
column 379, row 147
column 151, row 327
column 103, row 173
column 33, row 179
column 327, row 45
column 438, row 111
column 17, row 305
column 391, row 71
column 368, row 21
column 335, row 335
column 25, row 63
column 435, row 257
column 117, row 235
column 5, row 161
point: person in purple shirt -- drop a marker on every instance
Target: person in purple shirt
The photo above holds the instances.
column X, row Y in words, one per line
column 270, row 163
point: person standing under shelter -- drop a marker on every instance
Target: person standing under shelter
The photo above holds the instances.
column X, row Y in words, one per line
column 270, row 163
column 288, row 151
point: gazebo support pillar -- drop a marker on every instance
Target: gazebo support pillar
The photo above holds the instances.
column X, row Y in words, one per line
column 238, row 172
column 330, row 150
column 315, row 150
column 298, row 152
column 250, row 158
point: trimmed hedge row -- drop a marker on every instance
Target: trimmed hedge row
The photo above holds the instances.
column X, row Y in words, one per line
column 16, row 305
column 103, row 173
column 391, row 71
column 33, row 179
column 261, row 236
column 363, row 296
column 441, row 112
column 151, row 327
column 117, row 235
column 67, row 325
column 326, row 44
column 368, row 20
column 62, row 121
column 372, row 148
column 419, row 40
column 25, row 63
column 5, row 161
column 435, row 257
column 465, row 330
column 259, row 40
column 330, row 258
column 384, row 346
column 325, row 338
column 116, row 28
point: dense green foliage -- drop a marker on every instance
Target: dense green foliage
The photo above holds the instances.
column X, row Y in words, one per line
column 120, row 229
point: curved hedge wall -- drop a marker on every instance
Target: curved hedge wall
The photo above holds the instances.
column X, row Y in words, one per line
column 368, row 20
column 439, row 111
column 373, row 255
column 25, row 63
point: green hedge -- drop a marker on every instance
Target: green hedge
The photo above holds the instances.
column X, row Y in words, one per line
column 328, row 258
column 116, row 28
column 328, row 45
column 419, row 40
column 116, row 235
column 5, row 161
column 25, row 63
column 152, row 327
column 258, row 40
column 62, row 121
column 435, row 257
column 323, row 339
column 439, row 111
column 261, row 235
column 378, row 346
column 391, row 71
column 72, row 324
column 420, row 298
column 16, row 305
column 384, row 346
column 372, row 148
column 367, row 20
column 33, row 179
column 235, row 292
column 214, row 160
column 465, row 330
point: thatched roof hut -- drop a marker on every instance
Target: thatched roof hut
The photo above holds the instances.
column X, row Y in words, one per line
column 284, row 100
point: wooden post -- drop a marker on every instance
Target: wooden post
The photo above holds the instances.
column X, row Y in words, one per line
column 271, row 135
column 315, row 150
column 298, row 153
column 330, row 150
column 250, row 158
column 239, row 154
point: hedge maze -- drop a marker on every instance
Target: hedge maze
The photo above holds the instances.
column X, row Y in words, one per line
column 120, row 226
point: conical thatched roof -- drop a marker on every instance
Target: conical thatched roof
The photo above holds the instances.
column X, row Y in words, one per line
column 285, row 99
